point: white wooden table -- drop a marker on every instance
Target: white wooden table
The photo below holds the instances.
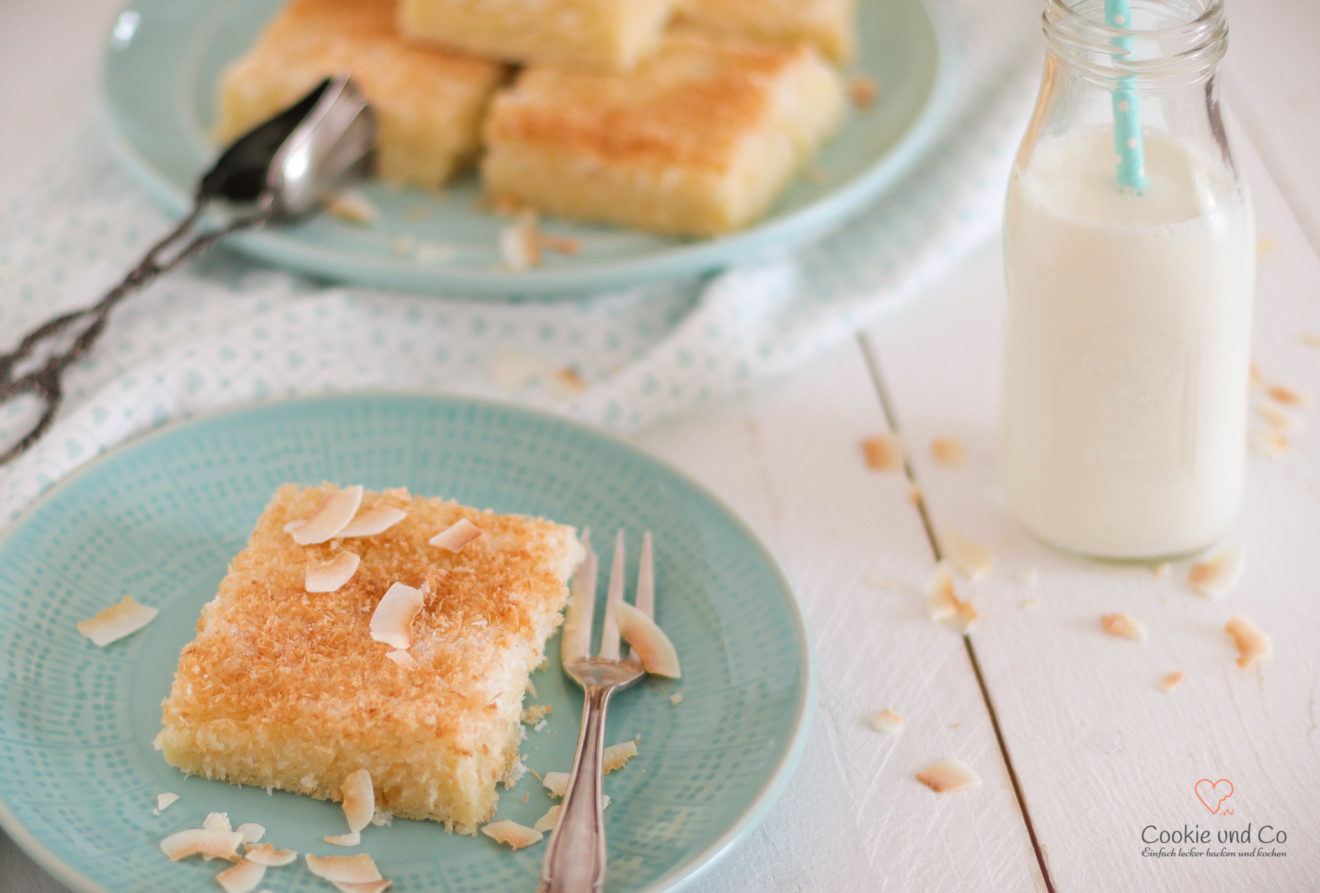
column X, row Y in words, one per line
column 1078, row 747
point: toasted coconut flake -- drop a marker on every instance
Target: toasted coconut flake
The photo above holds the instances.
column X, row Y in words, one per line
column 511, row 833
column 648, row 641
column 972, row 560
column 1123, row 626
column 883, row 452
column 862, row 92
column 556, row 783
column 294, row 525
column 1269, row 442
column 676, row 698
column 1217, row 576
column 332, row 517
column 359, row 869
column 165, row 801
column 241, row 878
column 392, row 621
column 886, row 721
column 1171, row 681
column 547, row 822
column 368, row 887
column 403, row 659
column 942, row 602
column 329, row 577
column 537, row 712
column 251, row 831
column 1286, row 396
column 520, row 243
column 1279, row 419
column 456, row 535
column 616, row 756
column 1252, row 643
column 217, row 821
column 369, row 522
column 352, row 838
column 948, row 451
column 265, row 854
column 353, row 207
column 947, row 776
column 217, row 844
column 359, row 799
column 117, row 621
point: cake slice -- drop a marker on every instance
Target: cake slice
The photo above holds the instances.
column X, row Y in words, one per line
column 285, row 688
column 606, row 34
column 428, row 101
column 698, row 140
column 828, row 24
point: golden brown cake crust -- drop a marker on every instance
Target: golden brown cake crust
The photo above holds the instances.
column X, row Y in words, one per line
column 689, row 105
column 287, row 688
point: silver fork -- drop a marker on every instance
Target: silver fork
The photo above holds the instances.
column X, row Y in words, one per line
column 575, row 857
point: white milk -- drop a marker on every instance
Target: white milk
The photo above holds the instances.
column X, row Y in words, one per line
column 1128, row 331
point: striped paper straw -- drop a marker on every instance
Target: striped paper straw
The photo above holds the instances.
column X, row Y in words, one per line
column 1128, row 148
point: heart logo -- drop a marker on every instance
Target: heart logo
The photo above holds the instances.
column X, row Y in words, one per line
column 1212, row 794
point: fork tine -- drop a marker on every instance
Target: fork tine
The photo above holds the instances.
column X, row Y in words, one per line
column 609, row 631
column 646, row 579
column 581, row 606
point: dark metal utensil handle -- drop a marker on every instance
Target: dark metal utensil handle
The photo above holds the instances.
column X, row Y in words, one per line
column 45, row 382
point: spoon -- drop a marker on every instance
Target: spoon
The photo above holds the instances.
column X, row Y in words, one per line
column 283, row 169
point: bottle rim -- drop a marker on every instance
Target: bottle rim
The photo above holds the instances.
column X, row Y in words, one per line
column 1188, row 49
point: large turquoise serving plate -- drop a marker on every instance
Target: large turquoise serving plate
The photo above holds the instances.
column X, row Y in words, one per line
column 160, row 519
column 159, row 80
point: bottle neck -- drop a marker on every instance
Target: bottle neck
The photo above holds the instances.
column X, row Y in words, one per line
column 1166, row 44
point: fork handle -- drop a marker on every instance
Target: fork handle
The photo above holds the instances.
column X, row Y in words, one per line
column 575, row 857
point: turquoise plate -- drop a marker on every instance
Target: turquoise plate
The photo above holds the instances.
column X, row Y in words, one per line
column 165, row 58
column 160, row 519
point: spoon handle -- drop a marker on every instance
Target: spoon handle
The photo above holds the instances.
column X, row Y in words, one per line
column 44, row 382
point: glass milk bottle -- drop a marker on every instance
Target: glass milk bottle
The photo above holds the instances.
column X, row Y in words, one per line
column 1129, row 253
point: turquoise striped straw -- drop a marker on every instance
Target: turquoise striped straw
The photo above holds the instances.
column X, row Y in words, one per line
column 1127, row 121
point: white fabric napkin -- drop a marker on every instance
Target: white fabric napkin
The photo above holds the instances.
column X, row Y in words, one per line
column 224, row 331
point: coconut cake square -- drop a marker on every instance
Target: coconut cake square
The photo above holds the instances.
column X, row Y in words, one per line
column 413, row 666
column 428, row 101
column 698, row 140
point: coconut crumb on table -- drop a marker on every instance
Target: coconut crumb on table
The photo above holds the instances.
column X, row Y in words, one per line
column 1278, row 418
column 536, row 712
column 676, row 698
column 884, row 452
column 1287, row 396
column 948, row 451
column 1171, row 681
column 948, row 776
column 943, row 603
column 1216, row 576
column 1123, row 626
column 1252, row 643
column 1269, row 442
column 886, row 721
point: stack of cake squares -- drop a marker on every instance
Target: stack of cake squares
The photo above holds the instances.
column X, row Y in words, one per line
column 681, row 117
